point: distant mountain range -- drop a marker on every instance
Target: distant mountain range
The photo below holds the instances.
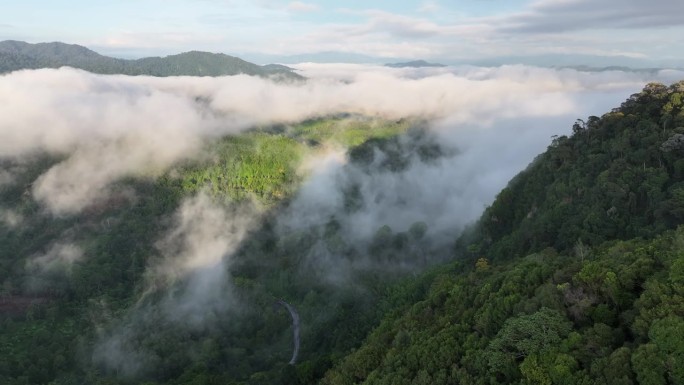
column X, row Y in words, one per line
column 580, row 61
column 17, row 55
column 414, row 64
column 585, row 68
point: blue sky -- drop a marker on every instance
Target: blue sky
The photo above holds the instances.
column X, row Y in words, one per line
column 449, row 31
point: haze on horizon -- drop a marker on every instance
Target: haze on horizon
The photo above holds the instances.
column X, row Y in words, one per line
column 621, row 32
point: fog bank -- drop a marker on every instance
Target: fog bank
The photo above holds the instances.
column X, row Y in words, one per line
column 108, row 127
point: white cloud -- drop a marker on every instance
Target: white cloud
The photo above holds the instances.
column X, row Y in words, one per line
column 110, row 127
column 299, row 6
column 204, row 234
column 6, row 178
column 10, row 218
column 429, row 6
column 190, row 272
column 553, row 16
column 60, row 256
column 487, row 142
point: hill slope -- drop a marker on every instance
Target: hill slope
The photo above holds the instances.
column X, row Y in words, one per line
column 92, row 276
column 554, row 286
column 414, row 64
column 618, row 177
column 16, row 55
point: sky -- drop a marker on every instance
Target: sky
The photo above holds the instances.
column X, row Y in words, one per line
column 452, row 32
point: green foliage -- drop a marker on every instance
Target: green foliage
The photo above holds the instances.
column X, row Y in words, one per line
column 526, row 335
column 265, row 163
column 521, row 322
column 52, row 323
column 590, row 303
column 617, row 177
column 347, row 132
column 553, row 285
column 254, row 165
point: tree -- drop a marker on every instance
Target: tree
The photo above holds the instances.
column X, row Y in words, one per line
column 528, row 334
column 482, row 264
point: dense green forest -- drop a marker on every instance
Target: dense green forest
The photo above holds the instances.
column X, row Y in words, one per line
column 574, row 274
column 101, row 320
column 18, row 55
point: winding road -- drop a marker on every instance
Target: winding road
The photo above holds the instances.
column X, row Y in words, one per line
column 295, row 329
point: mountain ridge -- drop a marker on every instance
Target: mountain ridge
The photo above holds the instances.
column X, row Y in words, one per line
column 414, row 64
column 573, row 275
column 17, row 55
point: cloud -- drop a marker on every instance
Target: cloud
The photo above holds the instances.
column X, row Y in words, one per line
column 446, row 192
column 49, row 270
column 120, row 351
column 476, row 155
column 553, row 16
column 106, row 127
column 405, row 26
column 197, row 250
column 632, row 27
column 10, row 218
column 109, row 127
column 299, row 6
column 6, row 178
column 429, row 6
column 188, row 277
column 59, row 256
column 467, row 31
column 380, row 33
column 396, row 25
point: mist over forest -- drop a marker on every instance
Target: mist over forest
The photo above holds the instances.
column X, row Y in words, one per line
column 92, row 120
column 157, row 229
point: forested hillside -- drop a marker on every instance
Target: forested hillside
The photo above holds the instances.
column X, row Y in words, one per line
column 572, row 276
column 617, row 177
column 17, row 55
column 103, row 296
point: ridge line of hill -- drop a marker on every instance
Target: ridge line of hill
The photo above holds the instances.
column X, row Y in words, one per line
column 18, row 55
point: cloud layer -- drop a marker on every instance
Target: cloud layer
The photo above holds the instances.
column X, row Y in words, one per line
column 109, row 127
